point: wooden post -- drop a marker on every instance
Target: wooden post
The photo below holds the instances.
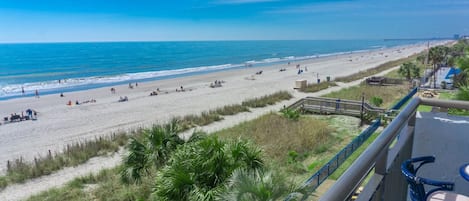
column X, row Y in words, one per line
column 361, row 109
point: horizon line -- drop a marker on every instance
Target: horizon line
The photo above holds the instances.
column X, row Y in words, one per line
column 227, row 40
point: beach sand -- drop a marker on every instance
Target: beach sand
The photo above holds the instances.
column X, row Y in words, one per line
column 59, row 124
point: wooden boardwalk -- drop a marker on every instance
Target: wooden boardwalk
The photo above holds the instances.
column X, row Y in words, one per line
column 338, row 106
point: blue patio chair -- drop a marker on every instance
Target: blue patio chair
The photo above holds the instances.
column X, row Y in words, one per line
column 416, row 184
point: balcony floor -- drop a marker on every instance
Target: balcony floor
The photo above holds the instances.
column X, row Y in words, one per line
column 447, row 138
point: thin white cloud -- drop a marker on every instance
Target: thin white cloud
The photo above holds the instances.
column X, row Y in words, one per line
column 242, row 1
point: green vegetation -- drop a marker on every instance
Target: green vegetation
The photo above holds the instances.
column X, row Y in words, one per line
column 199, row 170
column 267, row 100
column 292, row 114
column 257, row 186
column 78, row 153
column 377, row 101
column 72, row 155
column 230, row 110
column 278, row 136
column 389, row 94
column 409, row 70
column 152, row 151
column 311, row 88
column 205, row 118
column 378, row 69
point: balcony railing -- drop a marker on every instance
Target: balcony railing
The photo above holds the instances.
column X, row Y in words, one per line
column 383, row 158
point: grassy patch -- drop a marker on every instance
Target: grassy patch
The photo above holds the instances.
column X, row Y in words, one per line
column 230, row 110
column 389, row 94
column 353, row 157
column 75, row 154
column 311, row 88
column 373, row 71
column 106, row 185
column 278, row 135
column 267, row 100
column 205, row 118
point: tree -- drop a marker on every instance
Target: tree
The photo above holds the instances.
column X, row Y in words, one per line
column 257, row 186
column 199, row 170
column 152, row 151
column 421, row 59
column 437, row 55
column 409, row 70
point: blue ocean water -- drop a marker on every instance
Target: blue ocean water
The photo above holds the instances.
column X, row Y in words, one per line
column 89, row 65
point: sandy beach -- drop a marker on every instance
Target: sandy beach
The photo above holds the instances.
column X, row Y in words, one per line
column 59, row 124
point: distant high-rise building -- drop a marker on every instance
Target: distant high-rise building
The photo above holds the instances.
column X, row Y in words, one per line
column 456, row 36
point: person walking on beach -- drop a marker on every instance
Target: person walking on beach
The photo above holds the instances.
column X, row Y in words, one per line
column 37, row 93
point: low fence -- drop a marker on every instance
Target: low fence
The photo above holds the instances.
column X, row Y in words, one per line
column 322, row 174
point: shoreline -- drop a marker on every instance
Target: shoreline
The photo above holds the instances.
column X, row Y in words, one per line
column 59, row 124
column 13, row 91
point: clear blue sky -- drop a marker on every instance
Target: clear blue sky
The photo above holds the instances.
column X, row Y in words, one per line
column 157, row 20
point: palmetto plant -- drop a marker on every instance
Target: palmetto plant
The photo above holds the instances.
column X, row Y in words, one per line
column 257, row 185
column 153, row 150
column 198, row 171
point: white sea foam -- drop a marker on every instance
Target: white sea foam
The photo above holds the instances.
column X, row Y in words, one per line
column 16, row 89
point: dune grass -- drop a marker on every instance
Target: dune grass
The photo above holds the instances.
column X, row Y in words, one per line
column 106, row 185
column 278, row 135
column 230, row 110
column 375, row 70
column 389, row 94
column 267, row 100
column 205, row 118
column 72, row 155
column 311, row 88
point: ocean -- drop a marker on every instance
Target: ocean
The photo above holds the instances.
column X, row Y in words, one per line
column 63, row 67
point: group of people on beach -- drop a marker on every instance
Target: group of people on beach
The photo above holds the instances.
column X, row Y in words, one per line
column 217, row 83
column 30, row 115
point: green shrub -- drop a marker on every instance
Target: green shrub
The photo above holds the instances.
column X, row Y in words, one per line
column 377, row 101
column 291, row 114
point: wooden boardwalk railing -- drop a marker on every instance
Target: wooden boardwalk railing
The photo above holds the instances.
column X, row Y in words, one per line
column 338, row 106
